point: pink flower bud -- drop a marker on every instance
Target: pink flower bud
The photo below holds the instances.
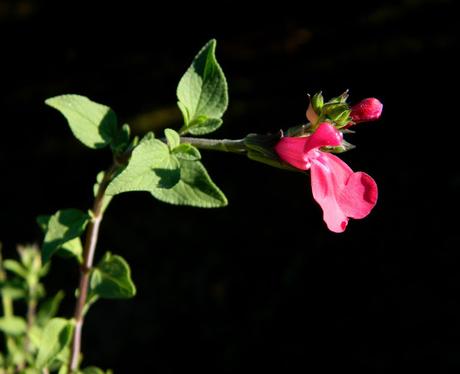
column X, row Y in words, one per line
column 366, row 110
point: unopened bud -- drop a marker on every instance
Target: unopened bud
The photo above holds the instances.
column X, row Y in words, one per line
column 366, row 110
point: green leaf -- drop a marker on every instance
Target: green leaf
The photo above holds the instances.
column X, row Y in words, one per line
column 49, row 308
column 187, row 151
column 12, row 290
column 55, row 337
column 151, row 167
column 111, row 279
column 72, row 248
column 95, row 125
column 202, row 93
column 63, row 226
column 15, row 267
column 173, row 138
column 13, row 325
column 205, row 127
column 195, row 188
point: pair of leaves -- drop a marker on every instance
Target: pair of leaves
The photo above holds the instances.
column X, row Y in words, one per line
column 202, row 98
column 62, row 231
column 171, row 173
column 203, row 93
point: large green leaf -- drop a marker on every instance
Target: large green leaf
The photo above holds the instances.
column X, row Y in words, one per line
column 195, row 188
column 63, row 227
column 95, row 125
column 111, row 279
column 55, row 337
column 203, row 93
column 151, row 167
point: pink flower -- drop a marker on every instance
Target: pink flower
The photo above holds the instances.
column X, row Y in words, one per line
column 341, row 193
column 366, row 110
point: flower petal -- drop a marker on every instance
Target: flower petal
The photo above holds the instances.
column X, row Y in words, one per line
column 325, row 185
column 340, row 192
column 359, row 195
column 291, row 150
column 325, row 135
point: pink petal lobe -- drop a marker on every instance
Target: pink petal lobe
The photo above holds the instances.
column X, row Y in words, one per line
column 291, row 151
column 359, row 196
column 340, row 192
column 325, row 135
column 325, row 185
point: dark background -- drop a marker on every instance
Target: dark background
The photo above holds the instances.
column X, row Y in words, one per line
column 261, row 284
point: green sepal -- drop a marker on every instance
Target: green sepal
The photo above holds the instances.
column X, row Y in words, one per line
column 317, row 101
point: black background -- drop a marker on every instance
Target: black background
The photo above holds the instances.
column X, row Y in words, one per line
column 261, row 284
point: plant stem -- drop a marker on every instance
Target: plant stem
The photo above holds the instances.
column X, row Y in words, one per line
column 92, row 234
column 223, row 145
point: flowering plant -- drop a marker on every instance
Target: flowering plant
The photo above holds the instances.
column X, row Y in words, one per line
column 168, row 167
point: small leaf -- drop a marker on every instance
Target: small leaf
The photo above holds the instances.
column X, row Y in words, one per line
column 43, row 221
column 13, row 325
column 63, row 226
column 55, row 337
column 151, row 167
column 195, row 188
column 120, row 141
column 202, row 93
column 12, row 290
column 15, row 267
column 173, row 138
column 187, row 151
column 95, row 125
column 206, row 126
column 72, row 248
column 49, row 308
column 111, row 279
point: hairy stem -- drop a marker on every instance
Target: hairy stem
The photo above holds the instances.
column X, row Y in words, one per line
column 223, row 145
column 92, row 234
